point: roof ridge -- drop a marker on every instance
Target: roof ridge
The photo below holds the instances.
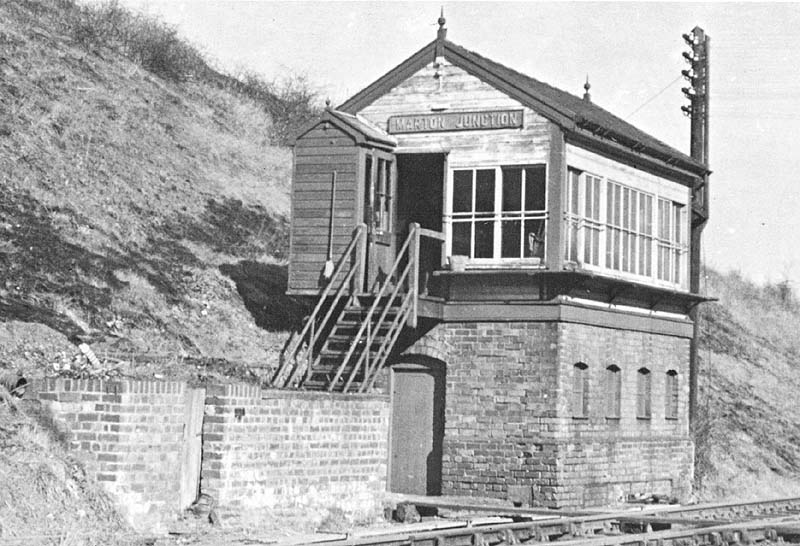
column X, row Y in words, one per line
column 492, row 61
column 577, row 117
column 579, row 113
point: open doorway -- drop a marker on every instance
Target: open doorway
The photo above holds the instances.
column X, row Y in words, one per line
column 420, row 198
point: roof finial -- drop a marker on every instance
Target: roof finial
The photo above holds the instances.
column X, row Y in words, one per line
column 327, row 103
column 586, row 96
column 442, row 32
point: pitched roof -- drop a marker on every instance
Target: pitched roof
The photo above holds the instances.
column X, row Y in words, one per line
column 577, row 117
column 371, row 132
column 361, row 130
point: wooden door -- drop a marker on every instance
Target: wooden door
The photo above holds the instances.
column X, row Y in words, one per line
column 192, row 446
column 417, row 432
column 380, row 209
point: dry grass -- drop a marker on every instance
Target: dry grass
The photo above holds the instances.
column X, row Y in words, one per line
column 748, row 438
column 46, row 497
column 154, row 203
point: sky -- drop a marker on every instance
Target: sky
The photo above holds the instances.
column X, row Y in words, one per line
column 630, row 51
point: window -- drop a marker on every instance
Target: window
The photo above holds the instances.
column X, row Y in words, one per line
column 498, row 213
column 671, row 395
column 643, row 393
column 368, row 194
column 633, row 228
column 613, row 391
column 580, row 390
column 378, row 194
column 670, row 227
column 583, row 215
column 630, row 230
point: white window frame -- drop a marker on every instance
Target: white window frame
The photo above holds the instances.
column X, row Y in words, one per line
column 498, row 216
column 670, row 247
column 577, row 226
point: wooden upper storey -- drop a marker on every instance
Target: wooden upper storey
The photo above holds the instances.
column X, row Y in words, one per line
column 557, row 185
column 581, row 120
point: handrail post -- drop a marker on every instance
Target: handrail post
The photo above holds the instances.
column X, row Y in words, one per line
column 368, row 346
column 413, row 282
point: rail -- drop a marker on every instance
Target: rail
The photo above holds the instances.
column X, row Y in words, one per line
column 604, row 529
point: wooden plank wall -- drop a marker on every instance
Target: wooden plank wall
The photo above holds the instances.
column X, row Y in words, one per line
column 318, row 154
column 461, row 91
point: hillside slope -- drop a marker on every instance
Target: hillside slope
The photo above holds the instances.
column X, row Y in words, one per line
column 748, row 434
column 144, row 215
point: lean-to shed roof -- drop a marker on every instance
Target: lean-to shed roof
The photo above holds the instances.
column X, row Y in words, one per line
column 362, row 131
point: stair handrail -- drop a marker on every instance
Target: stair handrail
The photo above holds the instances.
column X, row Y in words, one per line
column 289, row 359
column 308, row 353
column 411, row 236
column 370, row 373
column 406, row 313
column 363, row 359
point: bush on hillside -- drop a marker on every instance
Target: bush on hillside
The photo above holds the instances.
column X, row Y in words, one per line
column 291, row 103
column 158, row 48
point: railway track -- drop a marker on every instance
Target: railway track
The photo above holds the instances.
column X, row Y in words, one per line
column 719, row 524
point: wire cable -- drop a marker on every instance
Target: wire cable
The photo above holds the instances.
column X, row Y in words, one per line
column 654, row 97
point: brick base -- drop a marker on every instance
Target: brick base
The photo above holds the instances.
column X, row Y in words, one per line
column 509, row 427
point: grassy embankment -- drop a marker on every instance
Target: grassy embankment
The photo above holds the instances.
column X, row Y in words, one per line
column 143, row 209
column 144, row 194
column 748, row 438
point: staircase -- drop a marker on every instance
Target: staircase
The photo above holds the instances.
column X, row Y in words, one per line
column 349, row 336
column 343, row 365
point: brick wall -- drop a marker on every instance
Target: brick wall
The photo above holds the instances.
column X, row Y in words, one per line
column 605, row 459
column 130, row 434
column 509, row 425
column 270, row 447
column 500, row 416
column 259, row 449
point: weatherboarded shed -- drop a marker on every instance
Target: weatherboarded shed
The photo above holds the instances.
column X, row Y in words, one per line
column 330, row 158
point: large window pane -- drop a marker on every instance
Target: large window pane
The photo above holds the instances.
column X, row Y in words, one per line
column 512, row 189
column 534, row 239
column 575, row 191
column 498, row 213
column 511, row 239
column 484, row 190
column 461, row 238
column 462, row 191
column 484, row 239
column 535, row 185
